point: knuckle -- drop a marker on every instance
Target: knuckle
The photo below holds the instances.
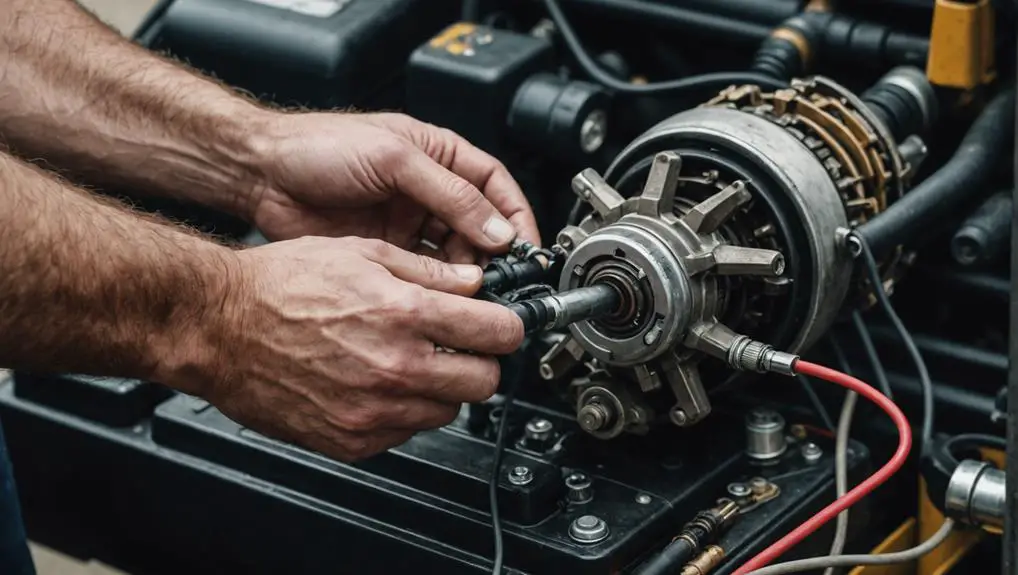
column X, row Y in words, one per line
column 395, row 367
column 464, row 198
column 431, row 267
column 374, row 249
column 390, row 152
column 361, row 420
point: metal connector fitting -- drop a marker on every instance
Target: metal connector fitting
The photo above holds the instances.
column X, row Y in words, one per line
column 750, row 355
column 976, row 494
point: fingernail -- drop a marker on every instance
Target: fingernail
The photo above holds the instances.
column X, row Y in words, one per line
column 467, row 272
column 499, row 230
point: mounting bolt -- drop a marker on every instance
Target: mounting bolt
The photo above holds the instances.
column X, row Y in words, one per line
column 812, row 453
column 594, row 417
column 739, row 490
column 643, row 499
column 521, row 475
column 538, row 429
column 588, row 529
column 678, row 417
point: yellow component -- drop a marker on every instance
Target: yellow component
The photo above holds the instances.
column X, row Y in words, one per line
column 961, row 44
column 951, row 551
column 902, row 538
column 452, row 38
column 943, row 558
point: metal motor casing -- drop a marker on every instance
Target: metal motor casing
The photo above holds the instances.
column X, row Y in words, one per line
column 818, row 208
column 725, row 227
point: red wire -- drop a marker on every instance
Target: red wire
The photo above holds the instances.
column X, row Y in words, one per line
column 863, row 489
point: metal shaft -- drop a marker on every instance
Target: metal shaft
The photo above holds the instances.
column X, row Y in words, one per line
column 566, row 308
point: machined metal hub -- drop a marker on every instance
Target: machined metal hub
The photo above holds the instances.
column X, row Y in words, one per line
column 664, row 256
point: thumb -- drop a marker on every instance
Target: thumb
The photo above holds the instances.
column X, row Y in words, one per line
column 455, row 201
column 427, row 272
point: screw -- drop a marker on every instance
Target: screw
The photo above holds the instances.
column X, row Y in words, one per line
column 521, row 475
column 579, row 271
column 566, row 243
column 643, row 499
column 679, row 417
column 812, row 453
column 739, row 490
column 588, row 529
column 538, row 429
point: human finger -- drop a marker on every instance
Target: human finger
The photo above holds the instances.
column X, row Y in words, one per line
column 452, row 199
column 457, row 377
column 455, row 153
column 468, row 324
column 421, row 270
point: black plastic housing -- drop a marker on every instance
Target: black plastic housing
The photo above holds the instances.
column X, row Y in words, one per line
column 351, row 54
column 189, row 491
column 466, row 77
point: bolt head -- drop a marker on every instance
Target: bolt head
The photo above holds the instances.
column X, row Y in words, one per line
column 588, row 529
column 521, row 475
column 593, row 417
column 579, row 271
column 679, row 417
column 812, row 452
column 643, row 499
column 739, row 490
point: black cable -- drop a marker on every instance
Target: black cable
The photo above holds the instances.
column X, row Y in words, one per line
column 693, row 86
column 924, row 375
column 818, row 406
column 871, row 351
column 970, row 442
column 839, row 354
column 510, row 378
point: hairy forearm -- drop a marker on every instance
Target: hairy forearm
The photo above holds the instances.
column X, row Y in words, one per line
column 87, row 286
column 89, row 102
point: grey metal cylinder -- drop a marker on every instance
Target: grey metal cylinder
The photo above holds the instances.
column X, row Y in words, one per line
column 977, row 494
column 765, row 435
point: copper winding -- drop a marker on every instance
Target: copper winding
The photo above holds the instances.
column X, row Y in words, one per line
column 850, row 149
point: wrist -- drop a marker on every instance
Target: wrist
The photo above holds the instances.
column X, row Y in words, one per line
column 195, row 350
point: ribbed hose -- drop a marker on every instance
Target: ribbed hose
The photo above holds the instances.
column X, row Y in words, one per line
column 780, row 57
column 965, row 175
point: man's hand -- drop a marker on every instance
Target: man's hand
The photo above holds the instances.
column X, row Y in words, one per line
column 334, row 344
column 108, row 112
column 385, row 176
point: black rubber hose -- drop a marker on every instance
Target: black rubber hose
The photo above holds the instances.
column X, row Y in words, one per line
column 779, row 57
column 986, row 233
column 670, row 560
column 964, row 175
column 677, row 18
column 693, row 87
